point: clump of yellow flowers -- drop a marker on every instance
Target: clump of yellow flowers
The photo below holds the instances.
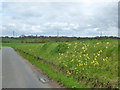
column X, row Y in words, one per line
column 80, row 59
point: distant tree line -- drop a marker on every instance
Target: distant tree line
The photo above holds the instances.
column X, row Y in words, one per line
column 43, row 39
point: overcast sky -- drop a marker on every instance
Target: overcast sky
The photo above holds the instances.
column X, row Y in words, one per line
column 68, row 18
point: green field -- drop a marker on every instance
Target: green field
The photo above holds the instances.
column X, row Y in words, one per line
column 89, row 63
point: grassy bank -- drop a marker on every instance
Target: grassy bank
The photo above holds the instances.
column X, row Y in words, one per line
column 52, row 73
column 93, row 63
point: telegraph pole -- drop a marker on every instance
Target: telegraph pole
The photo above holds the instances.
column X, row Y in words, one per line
column 57, row 33
column 101, row 34
column 13, row 33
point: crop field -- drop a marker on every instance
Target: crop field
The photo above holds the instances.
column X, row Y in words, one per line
column 93, row 63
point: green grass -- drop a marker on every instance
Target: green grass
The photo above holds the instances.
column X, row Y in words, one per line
column 52, row 73
column 93, row 63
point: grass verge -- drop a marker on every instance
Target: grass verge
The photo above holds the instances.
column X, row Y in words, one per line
column 52, row 73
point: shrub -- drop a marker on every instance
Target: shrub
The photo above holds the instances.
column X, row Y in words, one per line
column 61, row 48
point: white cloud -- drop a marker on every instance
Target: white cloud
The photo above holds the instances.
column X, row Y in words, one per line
column 12, row 24
column 66, row 28
column 36, row 29
column 95, row 29
column 52, row 16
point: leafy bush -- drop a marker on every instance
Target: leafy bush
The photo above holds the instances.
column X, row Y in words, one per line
column 61, row 48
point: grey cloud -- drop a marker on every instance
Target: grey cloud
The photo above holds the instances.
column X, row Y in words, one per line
column 79, row 19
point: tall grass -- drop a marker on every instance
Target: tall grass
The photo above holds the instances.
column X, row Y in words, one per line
column 92, row 62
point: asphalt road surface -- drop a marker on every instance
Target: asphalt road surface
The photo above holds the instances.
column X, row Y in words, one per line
column 16, row 73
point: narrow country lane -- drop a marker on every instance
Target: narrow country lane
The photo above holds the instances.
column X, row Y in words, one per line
column 16, row 73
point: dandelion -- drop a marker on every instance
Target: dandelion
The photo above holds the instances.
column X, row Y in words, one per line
column 106, row 47
column 83, row 50
column 100, row 50
column 88, row 58
column 97, row 43
column 83, row 54
column 98, row 54
column 94, row 58
column 86, row 55
column 73, row 55
column 65, row 65
column 107, row 42
column 72, row 60
column 80, row 64
column 69, row 44
column 75, row 46
column 75, row 43
column 106, row 57
column 83, row 47
column 68, row 72
column 103, row 59
column 96, row 63
column 80, row 56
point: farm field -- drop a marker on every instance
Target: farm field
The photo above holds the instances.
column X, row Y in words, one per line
column 92, row 63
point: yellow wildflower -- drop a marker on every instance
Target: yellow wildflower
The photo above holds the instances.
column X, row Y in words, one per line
column 72, row 60
column 97, row 43
column 100, row 50
column 65, row 65
column 83, row 47
column 94, row 58
column 98, row 54
column 103, row 59
column 83, row 54
column 80, row 64
column 88, row 58
column 73, row 55
column 107, row 42
column 69, row 44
